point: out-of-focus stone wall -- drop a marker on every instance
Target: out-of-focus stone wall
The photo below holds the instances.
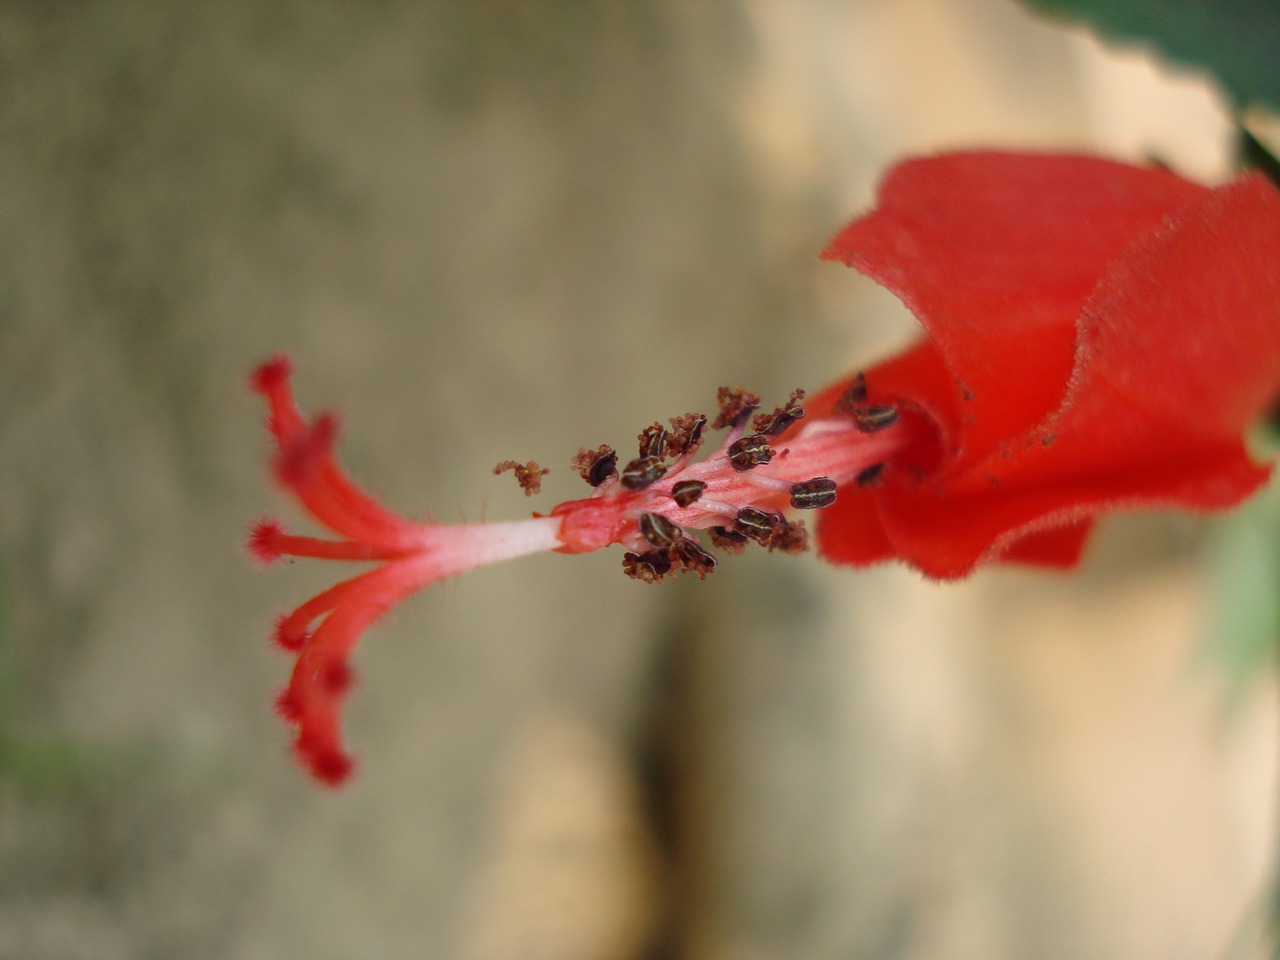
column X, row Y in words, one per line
column 510, row 229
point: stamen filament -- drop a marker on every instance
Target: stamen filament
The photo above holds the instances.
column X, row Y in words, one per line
column 757, row 479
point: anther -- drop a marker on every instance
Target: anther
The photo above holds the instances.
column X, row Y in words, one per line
column 689, row 556
column 653, row 441
column 686, row 433
column 641, row 472
column 788, row 537
column 736, row 405
column 813, row 494
column 686, row 492
column 596, row 466
column 751, row 451
column 756, row 524
column 728, row 540
column 870, row 476
column 872, row 418
column 854, row 394
column 649, row 567
column 658, row 530
column 784, row 416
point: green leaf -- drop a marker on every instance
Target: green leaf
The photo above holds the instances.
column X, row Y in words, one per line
column 1238, row 40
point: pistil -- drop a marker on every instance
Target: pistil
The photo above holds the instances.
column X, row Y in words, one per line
column 652, row 506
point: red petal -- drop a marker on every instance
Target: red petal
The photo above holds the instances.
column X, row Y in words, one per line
column 850, row 530
column 1179, row 350
column 995, row 253
column 1057, row 547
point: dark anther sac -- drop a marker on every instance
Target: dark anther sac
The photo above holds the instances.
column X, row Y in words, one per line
column 854, row 395
column 649, row 567
column 689, row 556
column 751, row 451
column 727, row 539
column 735, row 404
column 813, row 494
column 653, row 441
column 596, row 466
column 686, row 433
column 870, row 476
column 658, row 530
column 772, row 424
column 871, row 418
column 641, row 472
column 756, row 524
column 686, row 492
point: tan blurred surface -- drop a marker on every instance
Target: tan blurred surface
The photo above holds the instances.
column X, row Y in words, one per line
column 510, row 229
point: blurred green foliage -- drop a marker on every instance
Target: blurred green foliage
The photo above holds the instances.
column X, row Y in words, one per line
column 1237, row 40
column 1244, row 565
column 46, row 765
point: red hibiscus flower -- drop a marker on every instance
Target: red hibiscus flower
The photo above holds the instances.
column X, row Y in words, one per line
column 1098, row 336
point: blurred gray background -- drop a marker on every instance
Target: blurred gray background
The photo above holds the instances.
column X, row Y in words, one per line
column 508, row 229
